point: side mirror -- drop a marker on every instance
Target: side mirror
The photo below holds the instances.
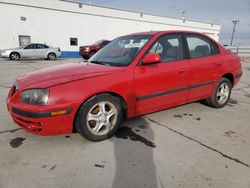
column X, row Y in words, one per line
column 151, row 58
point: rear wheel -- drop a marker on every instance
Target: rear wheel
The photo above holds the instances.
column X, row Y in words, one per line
column 51, row 56
column 14, row 56
column 221, row 94
column 99, row 117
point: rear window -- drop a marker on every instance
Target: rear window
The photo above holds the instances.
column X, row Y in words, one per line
column 199, row 46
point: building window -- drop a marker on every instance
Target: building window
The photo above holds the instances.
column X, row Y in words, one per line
column 73, row 42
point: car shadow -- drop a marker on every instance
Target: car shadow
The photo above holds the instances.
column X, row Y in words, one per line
column 133, row 151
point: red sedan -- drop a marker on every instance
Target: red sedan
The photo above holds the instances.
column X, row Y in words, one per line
column 131, row 76
column 88, row 51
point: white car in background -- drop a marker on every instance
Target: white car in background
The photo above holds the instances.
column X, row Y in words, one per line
column 32, row 50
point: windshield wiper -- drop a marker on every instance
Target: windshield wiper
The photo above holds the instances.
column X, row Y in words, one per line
column 99, row 62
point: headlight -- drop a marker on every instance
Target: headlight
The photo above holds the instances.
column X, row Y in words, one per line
column 35, row 96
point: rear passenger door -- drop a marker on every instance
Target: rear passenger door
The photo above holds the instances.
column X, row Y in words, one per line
column 41, row 50
column 203, row 65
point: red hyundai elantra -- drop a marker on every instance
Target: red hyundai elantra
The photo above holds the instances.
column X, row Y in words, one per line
column 131, row 76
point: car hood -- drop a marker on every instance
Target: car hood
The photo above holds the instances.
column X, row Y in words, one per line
column 60, row 74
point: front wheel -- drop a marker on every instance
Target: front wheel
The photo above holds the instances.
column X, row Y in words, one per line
column 221, row 94
column 14, row 56
column 99, row 117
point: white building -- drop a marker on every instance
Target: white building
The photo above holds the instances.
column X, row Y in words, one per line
column 68, row 25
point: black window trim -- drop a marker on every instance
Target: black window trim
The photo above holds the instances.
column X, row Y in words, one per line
column 182, row 45
column 44, row 46
column 33, row 45
column 202, row 38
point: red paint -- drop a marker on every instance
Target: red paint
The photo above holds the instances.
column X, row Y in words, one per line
column 70, row 85
column 151, row 58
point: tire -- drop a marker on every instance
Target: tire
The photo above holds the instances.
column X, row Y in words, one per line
column 51, row 56
column 14, row 56
column 99, row 117
column 220, row 97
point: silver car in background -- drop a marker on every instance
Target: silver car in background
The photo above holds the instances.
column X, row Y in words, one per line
column 33, row 50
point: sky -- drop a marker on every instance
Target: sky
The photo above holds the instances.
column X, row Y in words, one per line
column 220, row 12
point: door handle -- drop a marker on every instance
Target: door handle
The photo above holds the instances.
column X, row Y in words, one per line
column 182, row 71
column 218, row 64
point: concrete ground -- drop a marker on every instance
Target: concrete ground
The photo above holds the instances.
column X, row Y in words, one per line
column 187, row 146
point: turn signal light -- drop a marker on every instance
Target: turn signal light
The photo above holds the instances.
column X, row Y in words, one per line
column 57, row 113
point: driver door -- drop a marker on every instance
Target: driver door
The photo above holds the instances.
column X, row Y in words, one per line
column 28, row 51
column 165, row 84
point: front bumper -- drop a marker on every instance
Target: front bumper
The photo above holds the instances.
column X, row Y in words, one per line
column 44, row 126
column 4, row 54
column 40, row 119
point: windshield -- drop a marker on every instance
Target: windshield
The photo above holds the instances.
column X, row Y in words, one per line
column 121, row 51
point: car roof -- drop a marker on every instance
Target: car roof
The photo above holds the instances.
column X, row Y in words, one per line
column 165, row 32
column 36, row 43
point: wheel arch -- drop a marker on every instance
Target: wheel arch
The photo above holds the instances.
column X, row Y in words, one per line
column 230, row 77
column 51, row 52
column 15, row 52
column 123, row 102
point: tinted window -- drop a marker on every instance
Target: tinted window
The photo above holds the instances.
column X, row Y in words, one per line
column 199, row 46
column 168, row 47
column 73, row 42
column 30, row 46
column 41, row 46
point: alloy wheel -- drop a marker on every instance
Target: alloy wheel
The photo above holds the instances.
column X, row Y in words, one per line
column 222, row 93
column 14, row 56
column 52, row 57
column 102, row 118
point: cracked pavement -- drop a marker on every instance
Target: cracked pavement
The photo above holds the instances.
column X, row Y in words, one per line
column 187, row 146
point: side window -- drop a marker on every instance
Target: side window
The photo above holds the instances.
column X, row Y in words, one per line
column 168, row 47
column 156, row 49
column 41, row 46
column 199, row 46
column 30, row 46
